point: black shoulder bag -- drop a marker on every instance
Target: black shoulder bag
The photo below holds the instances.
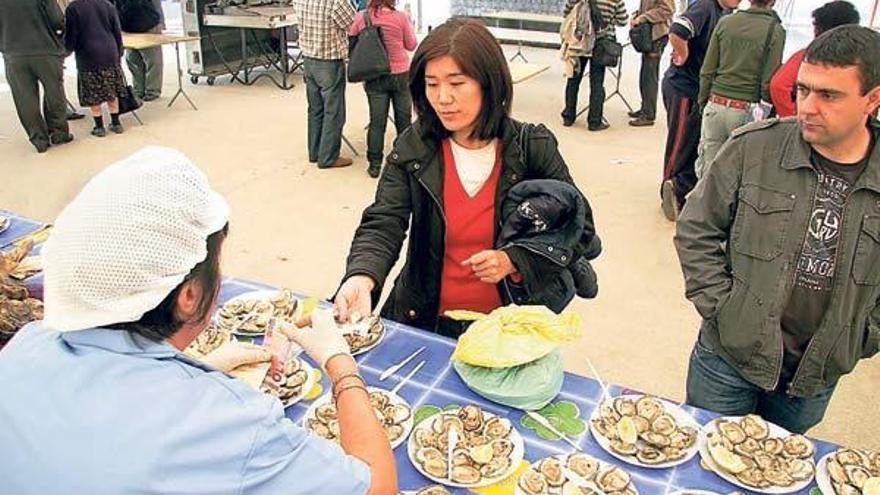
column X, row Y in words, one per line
column 368, row 59
column 607, row 50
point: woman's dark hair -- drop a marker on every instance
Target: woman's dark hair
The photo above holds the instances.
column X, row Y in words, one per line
column 847, row 46
column 375, row 5
column 833, row 14
column 480, row 57
column 160, row 323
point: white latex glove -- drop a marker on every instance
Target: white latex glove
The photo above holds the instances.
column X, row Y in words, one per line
column 354, row 297
column 322, row 340
column 233, row 354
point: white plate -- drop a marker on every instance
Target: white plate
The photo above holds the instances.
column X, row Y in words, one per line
column 307, row 386
column 395, row 399
column 516, row 456
column 775, row 431
column 678, row 414
column 264, row 294
column 562, row 457
column 374, row 344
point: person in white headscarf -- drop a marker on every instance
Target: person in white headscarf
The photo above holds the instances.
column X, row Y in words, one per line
column 99, row 397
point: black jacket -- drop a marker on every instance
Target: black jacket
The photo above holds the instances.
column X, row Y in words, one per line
column 545, row 216
column 93, row 32
column 31, row 27
column 409, row 196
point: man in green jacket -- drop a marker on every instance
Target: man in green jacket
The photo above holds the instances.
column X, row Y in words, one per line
column 744, row 53
column 780, row 245
column 30, row 40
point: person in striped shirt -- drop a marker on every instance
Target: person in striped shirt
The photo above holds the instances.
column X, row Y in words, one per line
column 608, row 15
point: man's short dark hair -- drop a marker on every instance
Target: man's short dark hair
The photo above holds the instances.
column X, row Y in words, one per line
column 160, row 322
column 847, row 46
column 833, row 14
column 480, row 57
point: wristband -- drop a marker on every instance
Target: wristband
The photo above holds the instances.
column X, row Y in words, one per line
column 344, row 388
column 353, row 374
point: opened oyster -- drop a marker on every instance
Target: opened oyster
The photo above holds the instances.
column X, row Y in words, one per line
column 362, row 333
column 746, row 450
column 17, row 308
column 433, row 490
column 643, row 430
column 250, row 314
column 292, row 385
column 484, row 450
column 589, row 476
column 209, row 340
column 854, row 472
column 392, row 412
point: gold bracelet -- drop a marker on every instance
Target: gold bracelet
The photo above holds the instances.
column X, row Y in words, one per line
column 353, row 374
column 338, row 393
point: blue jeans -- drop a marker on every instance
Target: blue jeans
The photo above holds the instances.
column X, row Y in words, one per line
column 381, row 94
column 325, row 92
column 715, row 385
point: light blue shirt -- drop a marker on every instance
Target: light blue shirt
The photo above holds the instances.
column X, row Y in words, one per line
column 104, row 411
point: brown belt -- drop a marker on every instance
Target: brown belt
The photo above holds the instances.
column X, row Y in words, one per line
column 729, row 102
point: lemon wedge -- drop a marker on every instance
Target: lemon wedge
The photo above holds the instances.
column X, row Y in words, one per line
column 627, row 431
column 481, row 454
column 726, row 459
column 871, row 486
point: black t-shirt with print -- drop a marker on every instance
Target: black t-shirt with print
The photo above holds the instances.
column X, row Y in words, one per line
column 815, row 271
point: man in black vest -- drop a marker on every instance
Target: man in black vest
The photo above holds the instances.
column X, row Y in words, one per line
column 30, row 40
column 143, row 16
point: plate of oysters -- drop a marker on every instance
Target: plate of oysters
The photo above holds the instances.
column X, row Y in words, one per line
column 209, row 340
column 645, row 431
column 757, row 455
column 574, row 474
column 486, row 450
column 428, row 490
column 392, row 411
column 297, row 380
column 362, row 333
column 849, row 472
column 249, row 314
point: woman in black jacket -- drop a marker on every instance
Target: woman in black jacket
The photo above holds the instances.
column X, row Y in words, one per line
column 446, row 180
column 93, row 33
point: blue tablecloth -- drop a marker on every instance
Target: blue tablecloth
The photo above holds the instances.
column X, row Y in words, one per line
column 438, row 384
column 18, row 228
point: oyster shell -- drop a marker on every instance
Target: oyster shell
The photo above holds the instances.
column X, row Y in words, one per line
column 836, row 471
column 495, row 467
column 778, row 477
column 642, row 425
column 394, row 432
column 856, row 475
column 572, row 488
column 433, row 490
column 753, row 477
column 425, row 437
column 320, row 429
column 772, row 446
column 502, row 447
column 800, row 470
column 844, row 489
column 850, row 456
column 608, row 413
column 623, row 448
column 650, row 455
column 748, row 447
column 498, row 427
column 471, row 417
column 606, row 429
column 426, row 454
column 532, row 482
column 466, row 474
column 583, row 465
column 648, row 407
column 396, row 414
column 551, row 469
column 664, row 424
column 731, row 431
column 672, row 453
column 655, row 439
column 625, row 406
column 683, row 438
column 797, row 446
column 755, row 427
column 613, row 479
column 436, row 467
column 379, row 400
column 444, row 422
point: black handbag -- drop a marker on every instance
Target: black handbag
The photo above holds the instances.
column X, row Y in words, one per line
column 128, row 102
column 368, row 59
column 642, row 37
column 607, row 52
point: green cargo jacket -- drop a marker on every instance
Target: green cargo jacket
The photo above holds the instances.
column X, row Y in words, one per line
column 738, row 240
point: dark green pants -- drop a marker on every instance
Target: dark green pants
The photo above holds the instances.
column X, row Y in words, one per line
column 25, row 75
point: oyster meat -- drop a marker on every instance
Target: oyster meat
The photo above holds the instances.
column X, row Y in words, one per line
column 590, row 476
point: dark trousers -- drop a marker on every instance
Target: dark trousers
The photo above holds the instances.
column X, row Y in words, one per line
column 382, row 93
column 25, row 75
column 597, row 92
column 683, row 121
column 717, row 386
column 325, row 92
column 649, row 79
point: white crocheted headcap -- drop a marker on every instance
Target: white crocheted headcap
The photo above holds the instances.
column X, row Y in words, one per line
column 128, row 239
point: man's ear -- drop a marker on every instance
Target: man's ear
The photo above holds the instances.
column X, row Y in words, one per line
column 873, row 101
column 187, row 304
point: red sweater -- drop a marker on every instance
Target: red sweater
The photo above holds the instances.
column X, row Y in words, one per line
column 470, row 228
column 782, row 85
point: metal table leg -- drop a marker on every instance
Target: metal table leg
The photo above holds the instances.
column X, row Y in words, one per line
column 180, row 90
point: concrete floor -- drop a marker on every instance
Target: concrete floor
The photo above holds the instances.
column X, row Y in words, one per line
column 292, row 224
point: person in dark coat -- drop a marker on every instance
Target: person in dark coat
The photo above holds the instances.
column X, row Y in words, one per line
column 93, row 33
column 443, row 186
column 145, row 65
column 33, row 53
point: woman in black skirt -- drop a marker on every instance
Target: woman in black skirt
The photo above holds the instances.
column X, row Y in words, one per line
column 92, row 31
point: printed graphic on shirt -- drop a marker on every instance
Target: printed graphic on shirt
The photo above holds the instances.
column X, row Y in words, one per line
column 816, row 264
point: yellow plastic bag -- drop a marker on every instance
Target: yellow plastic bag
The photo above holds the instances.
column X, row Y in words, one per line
column 513, row 335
